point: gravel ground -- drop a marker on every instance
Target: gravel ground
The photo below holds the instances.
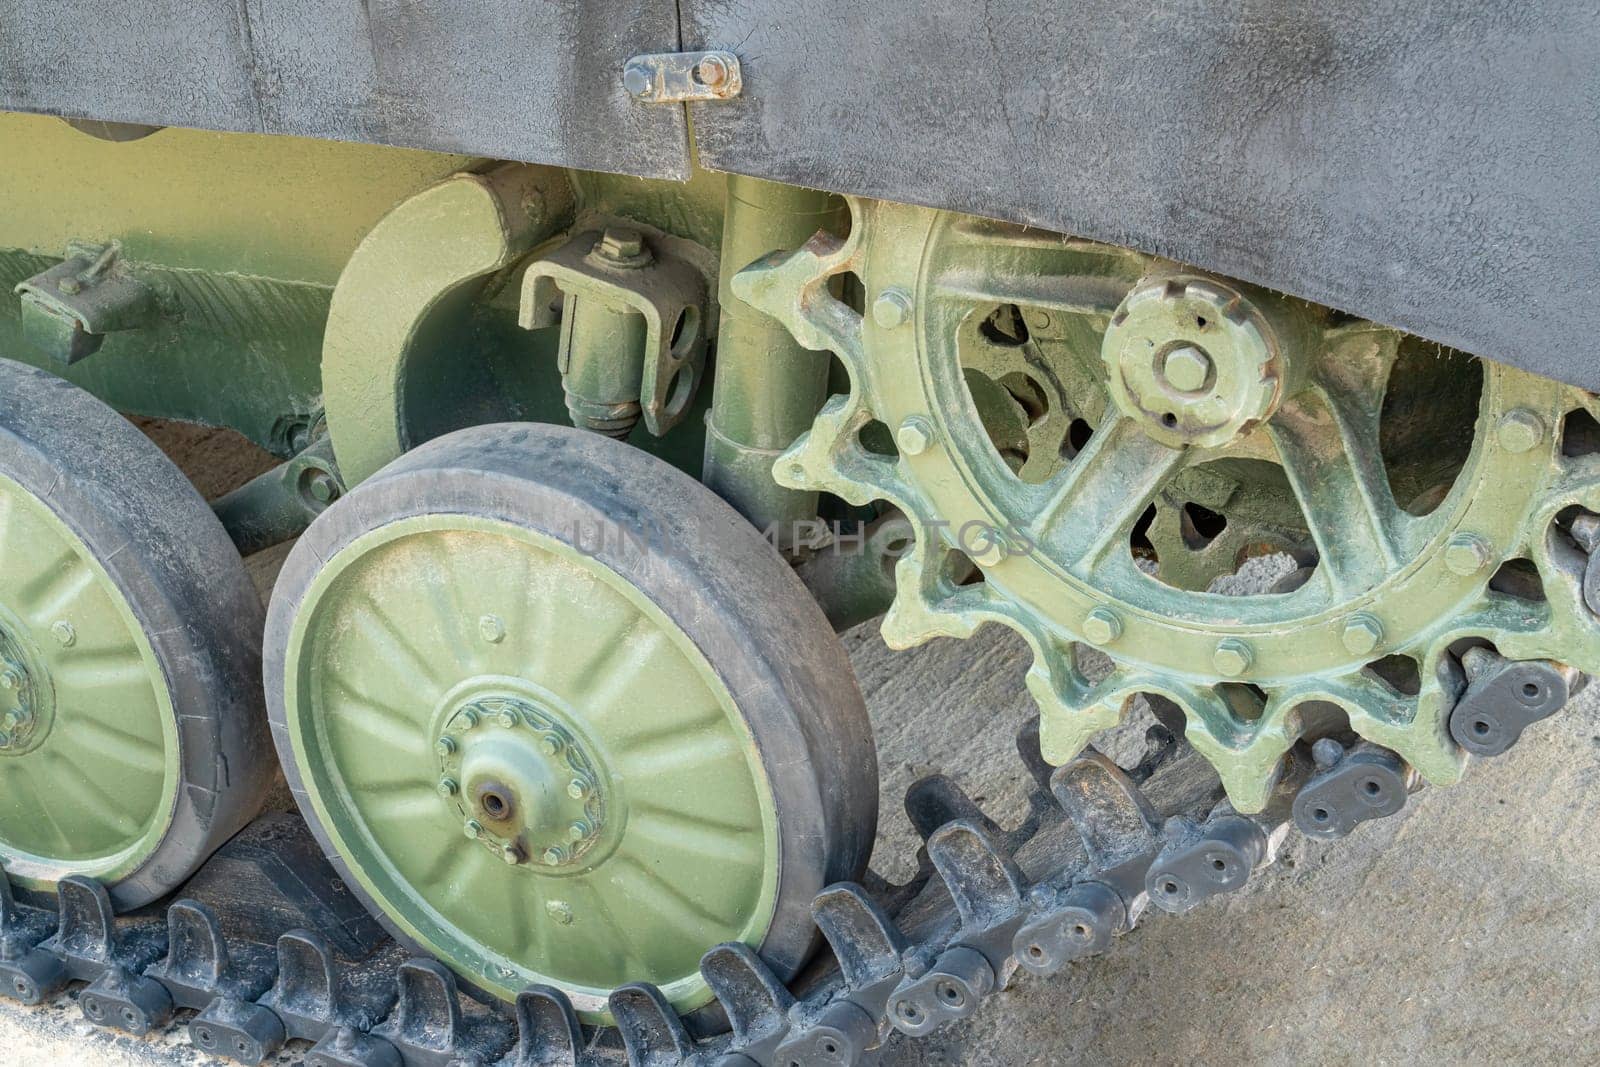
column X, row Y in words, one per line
column 1460, row 931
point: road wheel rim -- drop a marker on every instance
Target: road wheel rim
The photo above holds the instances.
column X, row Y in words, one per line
column 89, row 750
column 527, row 766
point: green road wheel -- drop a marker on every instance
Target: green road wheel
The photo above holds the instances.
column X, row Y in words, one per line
column 562, row 716
column 132, row 739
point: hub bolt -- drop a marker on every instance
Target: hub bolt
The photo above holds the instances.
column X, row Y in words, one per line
column 509, row 719
column 914, row 436
column 1520, row 430
column 1186, row 369
column 1362, row 633
column 578, row 831
column 1102, row 626
column 1466, row 555
column 1232, row 657
column 448, row 787
column 65, row 633
column 551, row 745
column 578, row 789
column 10, row 679
column 472, row 828
column 512, row 854
column 892, row 309
column 446, row 745
column 553, row 856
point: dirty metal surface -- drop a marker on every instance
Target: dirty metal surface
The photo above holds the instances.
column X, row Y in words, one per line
column 538, row 82
column 1429, row 166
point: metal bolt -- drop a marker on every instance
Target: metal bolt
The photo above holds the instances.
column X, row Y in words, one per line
column 509, row 719
column 914, row 436
column 553, row 856
column 1362, row 633
column 620, row 244
column 1186, row 369
column 69, row 285
column 65, row 633
column 467, row 718
column 1520, row 430
column 712, row 71
column 1102, row 626
column 578, row 831
column 448, row 787
column 892, row 309
column 322, row 487
column 1232, row 657
column 446, row 745
column 988, row 547
column 1466, row 555
column 797, row 473
column 10, row 679
column 550, row 744
column 512, row 854
column 578, row 789
column 636, row 78
column 472, row 828
column 560, row 911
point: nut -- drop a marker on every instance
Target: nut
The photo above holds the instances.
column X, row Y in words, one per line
column 1232, row 657
column 1466, row 555
column 1520, row 430
column 892, row 309
column 914, row 436
column 1102, row 626
column 1361, row 634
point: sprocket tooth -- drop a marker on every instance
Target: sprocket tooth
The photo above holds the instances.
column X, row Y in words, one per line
column 865, row 941
column 651, row 1031
column 984, row 884
column 751, row 995
column 548, row 1031
column 1112, row 817
column 1039, row 769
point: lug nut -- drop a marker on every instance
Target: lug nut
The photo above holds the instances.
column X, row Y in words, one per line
column 892, row 309
column 472, row 828
column 10, row 679
column 446, row 745
column 448, row 787
column 553, row 856
column 578, row 789
column 1102, row 626
column 1466, row 555
column 914, row 436
column 1520, row 430
column 1362, row 634
column 1232, row 657
column 578, row 831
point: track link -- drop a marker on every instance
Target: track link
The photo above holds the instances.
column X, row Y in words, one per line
column 1100, row 848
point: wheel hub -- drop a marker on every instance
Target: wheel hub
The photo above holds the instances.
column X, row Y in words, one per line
column 27, row 696
column 522, row 783
column 1194, row 362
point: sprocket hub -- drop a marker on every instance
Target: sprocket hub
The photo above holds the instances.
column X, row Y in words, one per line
column 1273, row 381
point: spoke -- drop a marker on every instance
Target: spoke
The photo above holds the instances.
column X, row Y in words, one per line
column 1102, row 494
column 29, row 788
column 624, row 957
column 110, row 810
column 606, row 657
column 1328, row 445
column 375, row 719
column 139, row 754
column 665, row 833
column 441, row 592
column 698, row 818
column 692, row 920
column 117, row 667
column 400, row 807
column 672, row 753
column 386, row 646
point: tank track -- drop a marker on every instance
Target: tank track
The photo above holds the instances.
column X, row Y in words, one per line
column 1100, row 847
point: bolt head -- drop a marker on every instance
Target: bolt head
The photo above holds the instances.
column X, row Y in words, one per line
column 550, row 744
column 1520, row 430
column 987, row 547
column 1232, row 657
column 578, row 831
column 512, row 854
column 1186, row 369
column 445, row 745
column 10, row 679
column 65, row 633
column 322, row 487
column 892, row 309
column 620, row 243
column 448, row 787
column 712, row 71
column 472, row 828
column 559, row 910
column 509, row 720
column 914, row 436
column 578, row 789
column 1361, row 634
column 636, row 78
column 70, row 286
column 1102, row 626
column 553, row 856
column 1466, row 555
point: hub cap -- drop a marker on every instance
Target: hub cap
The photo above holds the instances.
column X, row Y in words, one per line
column 524, row 764
column 88, row 743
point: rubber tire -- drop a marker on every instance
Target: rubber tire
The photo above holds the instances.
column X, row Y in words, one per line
column 725, row 587
column 184, row 581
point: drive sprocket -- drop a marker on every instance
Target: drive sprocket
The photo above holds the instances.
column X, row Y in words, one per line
column 1192, row 373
